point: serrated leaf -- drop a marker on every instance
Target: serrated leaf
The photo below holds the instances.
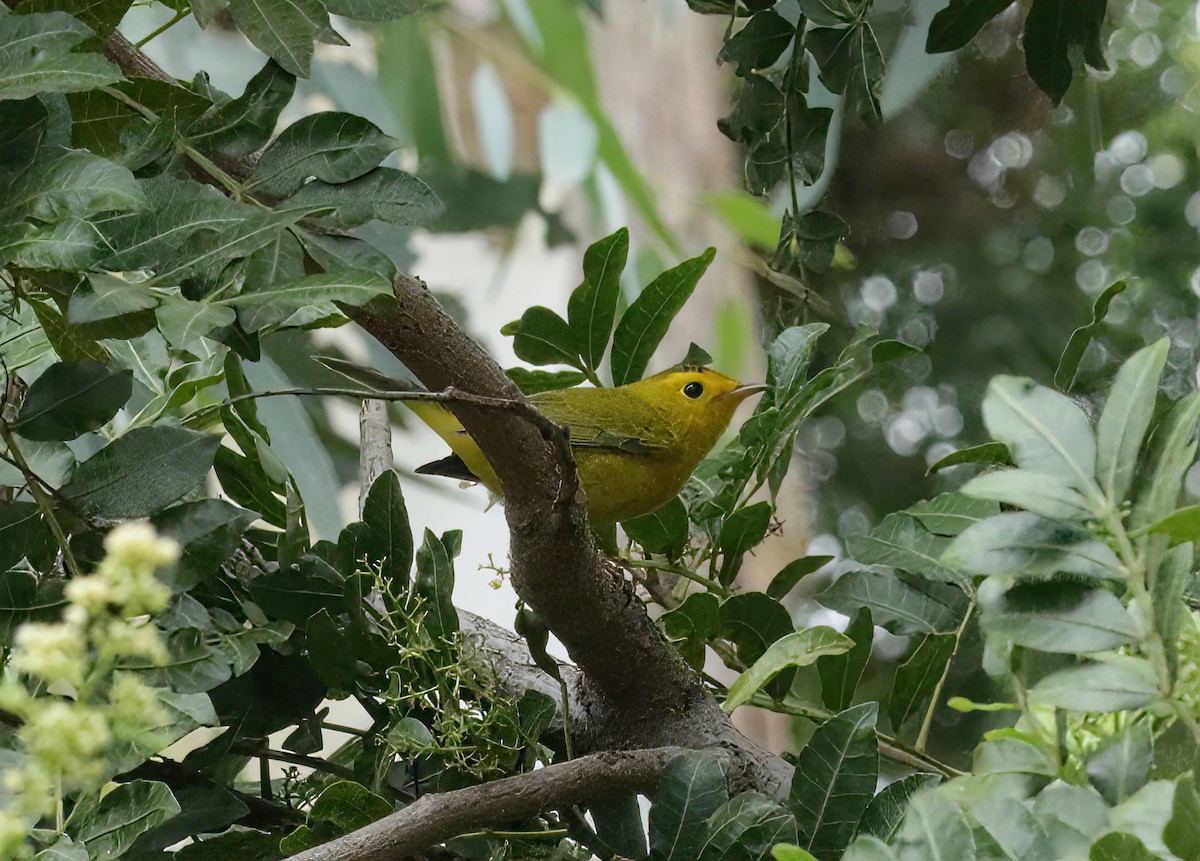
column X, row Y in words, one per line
column 798, row 649
column 1125, row 418
column 1027, row 547
column 835, row 780
column 894, row 605
column 645, row 322
column 593, row 304
column 330, row 146
column 691, row 790
column 142, row 472
column 72, row 398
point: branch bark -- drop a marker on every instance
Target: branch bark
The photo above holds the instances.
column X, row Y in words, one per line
column 440, row 816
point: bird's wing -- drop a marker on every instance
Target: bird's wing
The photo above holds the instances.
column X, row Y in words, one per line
column 607, row 419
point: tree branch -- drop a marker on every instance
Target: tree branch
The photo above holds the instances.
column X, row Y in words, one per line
column 440, row 816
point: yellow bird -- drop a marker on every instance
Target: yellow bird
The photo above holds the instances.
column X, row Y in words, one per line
column 634, row 445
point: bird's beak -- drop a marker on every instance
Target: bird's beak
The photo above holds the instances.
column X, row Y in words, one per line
column 744, row 391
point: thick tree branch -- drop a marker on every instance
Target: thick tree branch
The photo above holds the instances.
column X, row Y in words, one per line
column 440, row 816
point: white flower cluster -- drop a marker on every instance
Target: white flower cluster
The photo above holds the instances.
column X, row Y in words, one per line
column 82, row 707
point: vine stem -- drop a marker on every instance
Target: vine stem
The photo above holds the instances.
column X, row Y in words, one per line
column 927, row 722
column 41, row 498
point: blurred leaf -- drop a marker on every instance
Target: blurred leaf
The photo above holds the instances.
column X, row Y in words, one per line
column 759, row 44
column 275, row 304
column 1182, row 832
column 808, row 242
column 951, row 513
column 741, row 532
column 24, row 596
column 435, row 584
column 935, row 827
column 645, row 322
column 1098, row 687
column 208, row 531
column 593, row 304
column 1068, row 363
column 34, row 57
column 23, row 534
column 1174, row 451
column 384, row 193
column 745, row 828
column 900, row 542
column 894, row 605
column 142, row 472
column 284, row 30
column 1126, row 416
column 791, row 574
column 377, row 11
column 1045, row 495
column 1061, row 617
column 1180, row 526
column 541, row 337
column 389, row 536
column 957, row 24
column 1051, row 32
column 840, row 761
column 1014, row 829
column 917, row 677
column 72, row 398
column 988, row 452
column 1044, row 430
column 886, row 811
column 690, row 792
column 1120, row 846
column 330, row 146
column 1167, row 588
column 746, row 216
column 1028, row 547
column 243, row 125
column 664, row 530
column 798, row 649
column 108, row 827
column 1120, row 766
column 840, row 674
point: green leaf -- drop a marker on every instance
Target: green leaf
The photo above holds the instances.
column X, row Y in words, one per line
column 541, row 337
column 900, row 542
column 72, row 398
column 746, row 216
column 297, row 594
column 1120, row 766
column 241, row 126
column 988, row 452
column 23, row 534
column 109, row 827
column 691, row 790
column 835, row 780
column 277, row 303
column 1099, row 687
column 956, row 25
column 1175, row 449
column 208, row 531
column 1120, row 846
column 106, row 298
column 384, row 194
column 1180, row 526
column 745, row 828
column 531, row 382
column 330, row 146
column 787, row 365
column 618, row 824
column 1013, row 828
column 758, row 110
column 753, row 621
column 345, row 252
column 203, row 810
column 886, row 811
column 808, row 242
column 864, row 848
column 664, row 530
column 894, row 605
column 1182, row 832
column 1045, row 430
column 692, row 624
column 73, row 185
column 102, row 16
column 377, row 11
column 349, row 806
column 840, row 674
column 593, row 304
column 1051, row 32
column 1125, row 418
column 951, row 513
column 792, row 573
column 389, row 536
column 850, row 63
column 409, row 737
column 34, row 57
column 1068, row 364
column 1027, row 547
column 1045, row 495
column 1169, row 583
column 435, row 585
column 935, row 828
column 917, row 677
column 1060, row 617
column 759, row 44
column 645, row 322
column 798, row 649
column 183, row 322
column 142, row 472
column 741, row 532
column 25, row 597
column 284, row 30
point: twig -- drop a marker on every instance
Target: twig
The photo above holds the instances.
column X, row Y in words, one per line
column 927, row 721
column 439, row 816
column 41, row 498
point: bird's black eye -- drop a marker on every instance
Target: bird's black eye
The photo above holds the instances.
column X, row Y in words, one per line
column 693, row 390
